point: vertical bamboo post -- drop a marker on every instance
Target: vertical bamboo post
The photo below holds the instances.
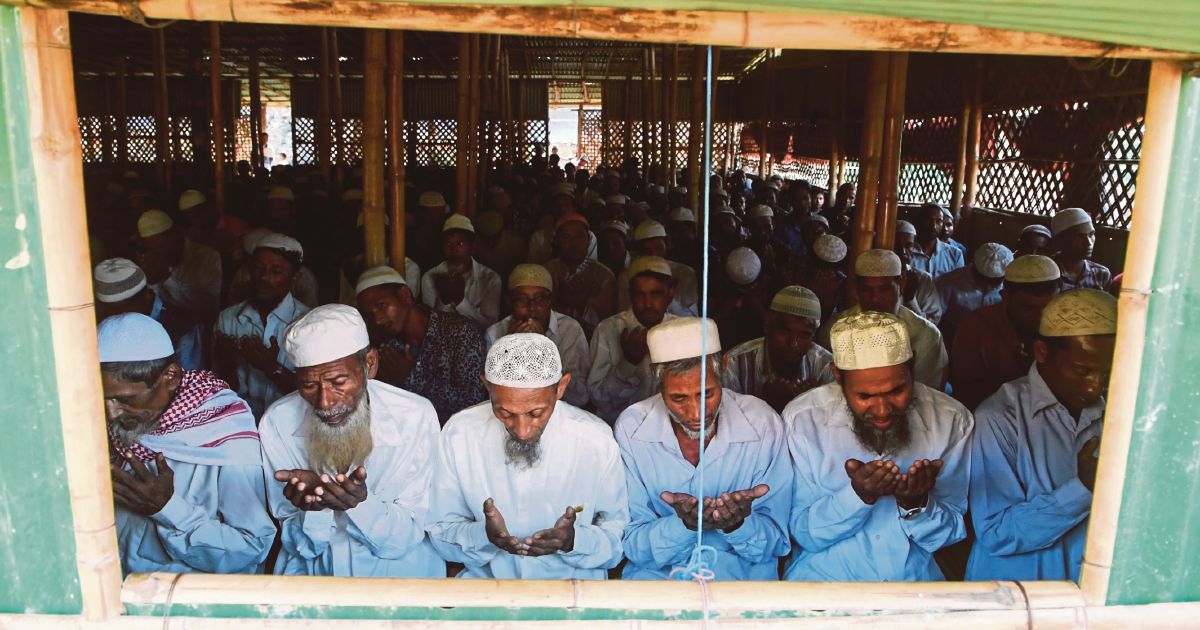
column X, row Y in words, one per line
column 768, row 93
column 58, row 164
column 893, row 132
column 122, row 113
column 323, row 117
column 396, row 145
column 644, row 113
column 473, row 131
column 974, row 133
column 373, row 60
column 506, row 117
column 627, row 117
column 670, row 105
column 696, row 131
column 837, row 127
column 256, row 112
column 162, row 111
column 579, row 131
column 653, row 107
column 522, row 137
column 339, row 122
column 461, row 170
column 218, row 112
column 869, row 156
column 960, row 157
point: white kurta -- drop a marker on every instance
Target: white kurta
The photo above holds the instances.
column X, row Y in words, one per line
column 687, row 290
column 384, row 536
column 613, row 382
column 567, row 335
column 580, row 467
column 481, row 296
column 749, row 368
column 932, row 361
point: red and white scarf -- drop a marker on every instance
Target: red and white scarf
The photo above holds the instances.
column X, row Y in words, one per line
column 197, row 388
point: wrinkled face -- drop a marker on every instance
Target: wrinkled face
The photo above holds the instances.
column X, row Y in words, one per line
column 530, row 303
column 1076, row 368
column 905, row 244
column 681, row 394
column 1078, row 242
column 271, row 275
column 1033, row 243
column 385, row 308
column 652, row 247
column 526, row 412
column 612, row 246
column 878, row 397
column 1025, row 309
column 572, row 241
column 878, row 294
column 457, row 246
column 135, row 406
column 789, row 337
column 649, row 298
column 929, row 224
column 335, row 389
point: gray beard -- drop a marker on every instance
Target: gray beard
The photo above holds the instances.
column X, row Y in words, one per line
column 890, row 441
column 709, row 428
column 521, row 455
column 336, row 450
column 129, row 437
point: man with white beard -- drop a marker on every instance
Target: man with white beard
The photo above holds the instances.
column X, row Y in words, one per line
column 352, row 458
column 528, row 486
column 881, row 463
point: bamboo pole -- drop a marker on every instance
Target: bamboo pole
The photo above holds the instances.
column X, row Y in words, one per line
column 974, row 139
column 122, row 113
column 162, row 111
column 960, row 161
column 670, row 105
column 869, row 156
column 506, row 115
column 627, row 118
column 579, row 131
column 768, row 86
column 473, row 131
column 374, row 97
column 644, row 113
column 1162, row 111
column 256, row 111
column 893, row 132
column 218, row 112
column 396, row 145
column 323, row 117
column 58, row 165
column 522, row 124
column 461, row 170
column 339, row 122
column 656, row 135
column 696, row 131
column 837, row 128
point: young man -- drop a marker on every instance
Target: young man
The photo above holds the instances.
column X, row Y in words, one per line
column 585, row 287
column 1074, row 238
column 920, row 291
column 931, row 254
column 650, row 239
column 460, row 283
column 970, row 288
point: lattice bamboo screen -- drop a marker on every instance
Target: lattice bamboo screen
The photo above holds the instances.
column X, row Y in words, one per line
column 592, row 135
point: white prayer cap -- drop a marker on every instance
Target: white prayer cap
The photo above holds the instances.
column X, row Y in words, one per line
column 904, row 227
column 524, row 361
column 274, row 240
column 530, row 275
column 431, row 199
column 1067, row 219
column 818, row 218
column 651, row 264
column 191, row 198
column 830, row 248
column 743, row 266
column 376, row 276
column 154, row 222
column 649, row 229
column 1036, row 228
column 133, row 337
column 877, row 263
column 991, row 259
column 117, row 279
column 1032, row 268
column 281, row 193
column 682, row 214
column 457, row 221
column 761, row 210
column 1079, row 312
column 251, row 237
column 326, row 333
column 617, row 199
column 799, row 301
column 616, row 226
column 680, row 339
column 869, row 340
column 354, row 194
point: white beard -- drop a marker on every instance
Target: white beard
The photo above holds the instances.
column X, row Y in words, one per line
column 521, row 455
column 334, row 450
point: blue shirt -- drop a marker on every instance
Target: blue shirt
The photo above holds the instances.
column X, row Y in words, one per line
column 840, row 538
column 961, row 294
column 1028, row 506
column 945, row 259
column 788, row 233
column 242, row 320
column 748, row 449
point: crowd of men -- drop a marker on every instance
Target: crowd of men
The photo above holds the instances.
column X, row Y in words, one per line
column 531, row 393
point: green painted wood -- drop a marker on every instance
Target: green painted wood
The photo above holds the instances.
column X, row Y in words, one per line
column 37, row 547
column 1157, row 554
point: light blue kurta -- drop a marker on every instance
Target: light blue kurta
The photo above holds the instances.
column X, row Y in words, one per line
column 580, row 467
column 1028, row 506
column 960, row 294
column 748, row 449
column 384, row 536
column 945, row 259
column 840, row 538
column 242, row 320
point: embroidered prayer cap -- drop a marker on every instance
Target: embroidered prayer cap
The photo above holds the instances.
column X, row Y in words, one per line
column 1032, row 268
column 649, row 264
column 1079, row 312
column 616, row 226
column 878, row 263
column 743, row 266
column 326, row 333
column 1036, row 228
column 281, row 193
column 863, row 341
column 376, row 276
column 904, row 227
column 649, row 229
column 617, row 199
column 830, row 248
column 1067, row 219
column 354, row 194
column 431, row 199
column 799, row 301
column 530, row 275
column 133, row 337
column 154, row 222
column 570, row 217
column 991, row 259
column 457, row 221
column 682, row 214
column 190, row 199
column 275, row 240
column 680, row 339
column 117, row 279
column 761, row 210
column 251, row 238
column 524, row 361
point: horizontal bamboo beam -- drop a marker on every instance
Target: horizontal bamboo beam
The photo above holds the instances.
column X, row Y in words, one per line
column 750, row 29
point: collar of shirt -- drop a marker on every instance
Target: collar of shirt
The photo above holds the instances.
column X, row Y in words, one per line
column 1042, row 400
column 552, row 327
column 732, row 426
column 285, row 312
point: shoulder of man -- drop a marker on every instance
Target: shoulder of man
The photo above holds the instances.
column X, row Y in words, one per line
column 944, row 408
column 633, row 418
column 469, row 421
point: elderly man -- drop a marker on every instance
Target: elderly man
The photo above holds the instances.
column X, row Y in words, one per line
column 435, row 354
column 186, row 275
column 880, row 284
column 586, row 287
column 968, row 289
column 120, row 287
column 460, row 283
column 993, row 344
column 352, row 458
column 528, row 486
column 186, row 466
column 741, row 510
column 920, row 291
column 620, row 372
column 1074, row 239
column 882, row 463
column 530, row 294
column 1034, row 239
column 1034, row 452
column 650, row 239
column 931, row 255
column 785, row 362
column 248, row 349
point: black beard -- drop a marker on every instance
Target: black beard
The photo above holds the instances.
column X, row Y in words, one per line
column 891, row 440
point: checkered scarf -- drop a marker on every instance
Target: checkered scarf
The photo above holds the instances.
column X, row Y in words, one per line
column 197, row 387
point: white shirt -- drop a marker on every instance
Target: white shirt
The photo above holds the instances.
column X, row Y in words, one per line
column 925, row 301
column 687, row 292
column 839, row 538
column 932, row 361
column 384, row 536
column 749, row 368
column 580, row 467
column 567, row 335
column 613, row 382
column 195, row 284
column 481, row 296
column 242, row 320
